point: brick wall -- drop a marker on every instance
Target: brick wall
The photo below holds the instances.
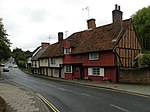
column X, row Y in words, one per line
column 134, row 76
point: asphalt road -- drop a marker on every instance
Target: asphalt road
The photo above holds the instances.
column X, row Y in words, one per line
column 73, row 98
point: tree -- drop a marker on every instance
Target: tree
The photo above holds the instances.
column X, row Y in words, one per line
column 141, row 20
column 21, row 57
column 143, row 61
column 5, row 51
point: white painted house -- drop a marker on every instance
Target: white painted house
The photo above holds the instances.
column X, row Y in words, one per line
column 35, row 58
column 51, row 59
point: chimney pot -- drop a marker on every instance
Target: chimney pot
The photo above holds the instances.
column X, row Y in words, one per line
column 117, row 21
column 91, row 23
column 116, row 7
column 119, row 8
column 117, row 14
column 60, row 36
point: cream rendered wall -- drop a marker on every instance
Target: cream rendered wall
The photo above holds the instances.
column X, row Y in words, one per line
column 29, row 60
column 58, row 60
column 43, row 62
column 62, row 73
column 45, row 71
column 37, row 64
column 49, row 73
column 55, row 72
column 33, row 63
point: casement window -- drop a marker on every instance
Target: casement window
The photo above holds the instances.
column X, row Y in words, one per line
column 56, row 71
column 93, row 56
column 67, row 50
column 53, row 60
column 45, row 60
column 68, row 69
column 78, row 56
column 96, row 71
column 41, row 60
column 37, row 63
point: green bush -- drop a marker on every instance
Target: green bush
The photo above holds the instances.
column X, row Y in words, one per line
column 143, row 61
column 22, row 64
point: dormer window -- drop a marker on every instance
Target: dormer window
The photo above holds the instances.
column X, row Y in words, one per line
column 67, row 50
column 93, row 56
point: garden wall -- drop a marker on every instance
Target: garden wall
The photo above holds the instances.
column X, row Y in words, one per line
column 133, row 76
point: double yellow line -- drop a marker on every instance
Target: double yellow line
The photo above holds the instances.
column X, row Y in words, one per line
column 48, row 103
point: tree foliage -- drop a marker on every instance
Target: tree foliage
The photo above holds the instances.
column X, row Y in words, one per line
column 20, row 57
column 142, row 24
column 5, row 51
column 143, row 61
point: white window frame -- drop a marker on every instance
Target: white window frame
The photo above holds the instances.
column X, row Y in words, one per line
column 42, row 61
column 53, row 60
column 68, row 69
column 67, row 50
column 96, row 71
column 93, row 56
column 45, row 60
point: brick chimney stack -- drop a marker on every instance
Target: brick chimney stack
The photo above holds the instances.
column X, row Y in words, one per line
column 117, row 21
column 117, row 14
column 91, row 23
column 44, row 44
column 60, row 36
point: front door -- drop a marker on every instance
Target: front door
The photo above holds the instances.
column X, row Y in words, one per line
column 60, row 73
column 81, row 73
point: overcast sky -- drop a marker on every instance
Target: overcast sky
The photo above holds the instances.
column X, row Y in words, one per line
column 30, row 22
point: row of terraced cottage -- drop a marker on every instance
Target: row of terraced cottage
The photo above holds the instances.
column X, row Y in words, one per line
column 93, row 54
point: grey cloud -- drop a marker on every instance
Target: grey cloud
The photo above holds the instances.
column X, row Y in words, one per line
column 73, row 2
column 35, row 15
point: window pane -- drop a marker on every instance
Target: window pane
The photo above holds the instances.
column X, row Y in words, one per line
column 67, row 50
column 78, row 56
column 93, row 56
column 68, row 69
column 53, row 61
column 96, row 71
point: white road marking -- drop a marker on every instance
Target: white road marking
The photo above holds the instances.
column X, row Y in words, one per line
column 119, row 108
column 78, row 93
column 46, row 84
column 85, row 94
column 62, row 89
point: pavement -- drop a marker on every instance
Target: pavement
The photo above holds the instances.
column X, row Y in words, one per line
column 19, row 99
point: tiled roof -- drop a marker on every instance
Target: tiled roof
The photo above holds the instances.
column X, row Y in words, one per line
column 54, row 50
column 38, row 54
column 97, row 39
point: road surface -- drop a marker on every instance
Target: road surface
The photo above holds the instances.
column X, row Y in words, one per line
column 74, row 98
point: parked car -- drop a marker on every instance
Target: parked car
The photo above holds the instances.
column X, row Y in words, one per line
column 2, row 65
column 15, row 66
column 5, row 69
